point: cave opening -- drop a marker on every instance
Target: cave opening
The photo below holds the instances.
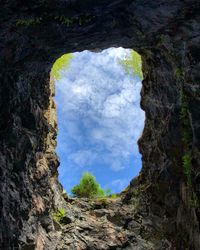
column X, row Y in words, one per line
column 99, row 116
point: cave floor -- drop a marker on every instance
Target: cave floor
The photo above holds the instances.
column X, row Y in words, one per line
column 107, row 223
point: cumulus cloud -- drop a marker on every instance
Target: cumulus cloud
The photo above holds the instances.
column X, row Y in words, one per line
column 98, row 111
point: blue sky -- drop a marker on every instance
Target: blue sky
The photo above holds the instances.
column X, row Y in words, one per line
column 99, row 120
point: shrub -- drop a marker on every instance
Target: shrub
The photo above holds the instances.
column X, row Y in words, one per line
column 132, row 64
column 88, row 187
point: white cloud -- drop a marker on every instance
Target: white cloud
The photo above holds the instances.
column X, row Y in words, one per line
column 100, row 110
column 118, row 184
column 82, row 158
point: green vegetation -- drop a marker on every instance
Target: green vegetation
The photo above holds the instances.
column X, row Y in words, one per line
column 80, row 20
column 112, row 196
column 132, row 64
column 60, row 64
column 58, row 215
column 28, row 22
column 187, row 166
column 62, row 19
column 107, row 191
column 89, row 188
column 108, row 194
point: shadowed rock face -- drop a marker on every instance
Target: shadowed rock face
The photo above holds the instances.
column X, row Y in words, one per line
column 33, row 35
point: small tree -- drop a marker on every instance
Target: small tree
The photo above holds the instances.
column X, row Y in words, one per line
column 88, row 187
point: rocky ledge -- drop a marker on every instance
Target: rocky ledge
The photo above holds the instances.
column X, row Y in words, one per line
column 106, row 223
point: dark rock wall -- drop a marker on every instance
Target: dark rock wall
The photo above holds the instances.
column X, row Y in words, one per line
column 170, row 71
column 162, row 144
column 33, row 35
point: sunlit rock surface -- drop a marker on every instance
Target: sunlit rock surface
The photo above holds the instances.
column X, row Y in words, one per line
column 110, row 223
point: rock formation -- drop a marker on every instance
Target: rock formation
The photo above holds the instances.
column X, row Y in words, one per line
column 109, row 223
column 166, row 34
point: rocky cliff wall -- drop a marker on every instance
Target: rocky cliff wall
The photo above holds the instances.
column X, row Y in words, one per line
column 33, row 35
